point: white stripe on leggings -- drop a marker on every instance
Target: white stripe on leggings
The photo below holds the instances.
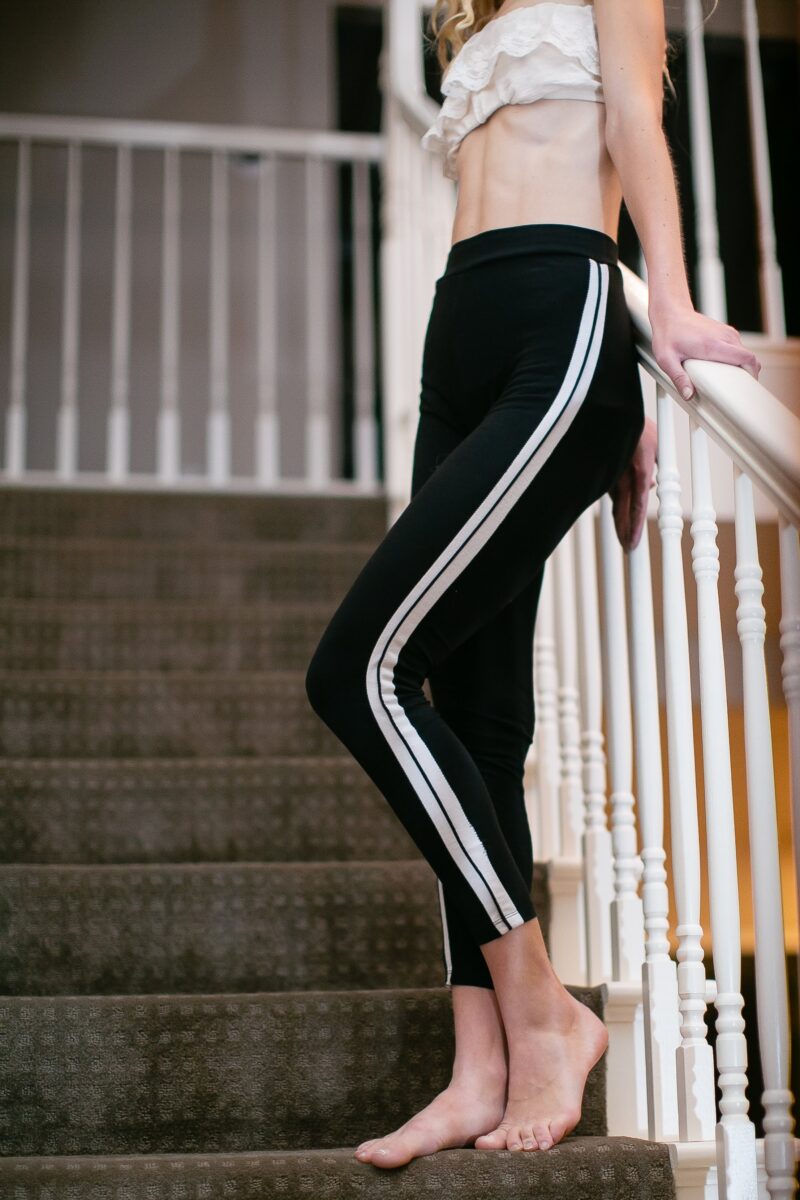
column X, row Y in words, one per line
column 437, row 796
column 448, row 962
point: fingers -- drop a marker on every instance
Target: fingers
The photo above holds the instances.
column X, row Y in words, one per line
column 714, row 350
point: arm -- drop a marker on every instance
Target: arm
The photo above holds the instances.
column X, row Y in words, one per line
column 632, row 41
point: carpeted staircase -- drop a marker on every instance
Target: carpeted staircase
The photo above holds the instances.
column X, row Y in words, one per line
column 220, row 957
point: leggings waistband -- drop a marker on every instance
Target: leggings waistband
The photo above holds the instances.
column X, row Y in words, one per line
column 537, row 238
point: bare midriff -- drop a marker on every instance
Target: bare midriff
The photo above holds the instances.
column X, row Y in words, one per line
column 544, row 161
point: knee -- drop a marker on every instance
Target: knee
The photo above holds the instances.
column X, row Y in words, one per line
column 335, row 678
column 321, row 675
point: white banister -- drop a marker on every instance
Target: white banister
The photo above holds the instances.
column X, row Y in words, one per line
column 16, row 415
column 771, row 986
column 659, row 977
column 569, row 953
column 736, row 1159
column 771, row 280
column 627, row 921
column 316, row 249
column 546, row 830
column 169, row 434
column 695, row 1065
column 758, row 433
column 598, row 884
column 711, row 297
column 218, row 449
column 790, row 675
column 193, row 135
column 67, row 419
column 268, row 428
column 118, row 437
column 231, row 423
column 365, row 433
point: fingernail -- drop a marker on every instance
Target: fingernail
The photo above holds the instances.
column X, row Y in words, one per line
column 687, row 393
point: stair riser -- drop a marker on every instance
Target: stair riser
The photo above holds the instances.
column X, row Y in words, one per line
column 186, row 714
column 67, row 512
column 113, row 636
column 165, row 1074
column 224, row 573
column 221, row 927
column 254, row 927
column 208, row 810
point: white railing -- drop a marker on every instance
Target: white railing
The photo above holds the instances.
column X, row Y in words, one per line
column 253, row 401
column 605, row 928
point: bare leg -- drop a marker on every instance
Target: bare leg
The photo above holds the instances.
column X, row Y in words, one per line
column 553, row 1043
column 474, row 1100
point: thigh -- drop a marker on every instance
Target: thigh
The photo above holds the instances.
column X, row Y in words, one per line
column 489, row 507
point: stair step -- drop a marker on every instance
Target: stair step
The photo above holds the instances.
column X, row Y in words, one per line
column 226, row 1073
column 589, row 1168
column 87, row 512
column 277, row 809
column 151, row 635
column 221, row 927
column 218, row 927
column 98, row 714
column 232, row 572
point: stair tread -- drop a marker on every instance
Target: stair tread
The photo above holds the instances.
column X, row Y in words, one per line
column 226, row 1071
column 593, row 1168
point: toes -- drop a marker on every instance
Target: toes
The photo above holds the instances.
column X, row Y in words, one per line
column 515, row 1136
column 529, row 1139
column 496, row 1140
column 541, row 1132
column 559, row 1126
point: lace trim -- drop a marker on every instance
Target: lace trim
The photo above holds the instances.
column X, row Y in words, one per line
column 474, row 86
column 546, row 21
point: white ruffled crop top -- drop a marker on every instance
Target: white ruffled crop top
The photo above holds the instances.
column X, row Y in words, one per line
column 543, row 50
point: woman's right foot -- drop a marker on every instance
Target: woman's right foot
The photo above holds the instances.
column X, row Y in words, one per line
column 549, row 1062
column 454, row 1118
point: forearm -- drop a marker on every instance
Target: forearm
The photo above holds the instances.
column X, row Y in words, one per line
column 638, row 148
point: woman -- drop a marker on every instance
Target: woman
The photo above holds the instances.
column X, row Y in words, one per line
column 530, row 410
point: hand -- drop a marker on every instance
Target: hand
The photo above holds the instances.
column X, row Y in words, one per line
column 629, row 493
column 680, row 333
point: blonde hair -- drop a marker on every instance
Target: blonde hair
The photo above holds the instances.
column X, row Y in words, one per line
column 453, row 22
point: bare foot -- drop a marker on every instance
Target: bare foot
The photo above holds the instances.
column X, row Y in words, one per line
column 549, row 1061
column 454, row 1118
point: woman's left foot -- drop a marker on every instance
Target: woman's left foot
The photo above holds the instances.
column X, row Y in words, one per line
column 454, row 1118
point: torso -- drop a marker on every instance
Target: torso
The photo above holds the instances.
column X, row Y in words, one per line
column 540, row 162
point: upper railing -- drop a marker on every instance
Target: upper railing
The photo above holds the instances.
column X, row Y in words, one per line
column 599, row 697
column 226, row 250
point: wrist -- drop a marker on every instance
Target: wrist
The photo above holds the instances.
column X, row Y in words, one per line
column 661, row 306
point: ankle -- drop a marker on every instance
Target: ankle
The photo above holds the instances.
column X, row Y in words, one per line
column 482, row 1078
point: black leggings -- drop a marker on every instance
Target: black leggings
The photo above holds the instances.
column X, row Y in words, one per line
column 530, row 409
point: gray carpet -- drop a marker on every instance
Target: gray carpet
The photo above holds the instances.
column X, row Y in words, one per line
column 220, row 957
